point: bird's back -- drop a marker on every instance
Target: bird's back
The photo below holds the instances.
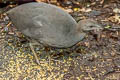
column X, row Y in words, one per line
column 45, row 23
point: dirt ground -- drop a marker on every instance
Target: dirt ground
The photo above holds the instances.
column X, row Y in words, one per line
column 94, row 58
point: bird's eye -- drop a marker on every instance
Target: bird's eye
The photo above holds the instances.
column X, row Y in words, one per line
column 91, row 26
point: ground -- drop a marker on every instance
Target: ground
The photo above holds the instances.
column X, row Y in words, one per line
column 94, row 58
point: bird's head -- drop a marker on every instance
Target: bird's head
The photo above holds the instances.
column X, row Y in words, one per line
column 88, row 25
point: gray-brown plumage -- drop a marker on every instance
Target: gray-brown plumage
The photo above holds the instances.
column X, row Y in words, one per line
column 46, row 23
column 49, row 25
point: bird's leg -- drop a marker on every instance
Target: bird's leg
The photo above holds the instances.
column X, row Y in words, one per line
column 35, row 55
column 47, row 50
column 49, row 58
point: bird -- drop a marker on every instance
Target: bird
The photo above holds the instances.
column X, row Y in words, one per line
column 49, row 25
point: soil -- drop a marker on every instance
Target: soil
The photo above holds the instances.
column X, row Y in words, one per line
column 97, row 57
